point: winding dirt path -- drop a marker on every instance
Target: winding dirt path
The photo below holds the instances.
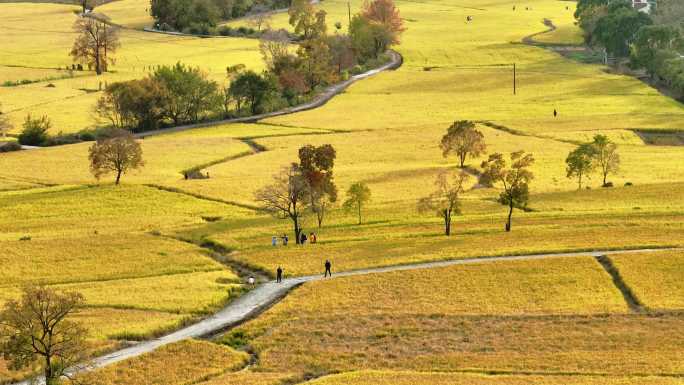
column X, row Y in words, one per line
column 266, row 295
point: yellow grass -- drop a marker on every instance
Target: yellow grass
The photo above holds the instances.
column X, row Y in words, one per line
column 657, row 279
column 41, row 35
column 178, row 293
column 410, row 378
column 553, row 286
column 180, row 363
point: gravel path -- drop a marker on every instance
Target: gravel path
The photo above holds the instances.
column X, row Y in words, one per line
column 264, row 296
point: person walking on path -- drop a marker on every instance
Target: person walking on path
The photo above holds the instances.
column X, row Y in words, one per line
column 328, row 265
column 251, row 281
column 279, row 275
column 302, row 239
column 312, row 238
column 285, row 239
column 274, row 241
column 555, row 113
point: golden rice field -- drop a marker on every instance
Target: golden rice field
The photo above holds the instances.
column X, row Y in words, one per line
column 38, row 37
column 186, row 362
column 657, row 279
column 558, row 321
column 409, row 378
column 512, row 317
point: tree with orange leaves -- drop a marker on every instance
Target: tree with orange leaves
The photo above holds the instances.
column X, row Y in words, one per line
column 385, row 13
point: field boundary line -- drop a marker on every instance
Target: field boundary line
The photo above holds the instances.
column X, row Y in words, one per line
column 264, row 296
column 635, row 305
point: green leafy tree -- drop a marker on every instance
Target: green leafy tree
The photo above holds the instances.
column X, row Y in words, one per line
column 189, row 93
column 445, row 201
column 606, row 157
column 35, row 131
column 117, row 152
column 463, row 140
column 580, row 163
column 653, row 45
column 138, row 105
column 358, row 195
column 617, row 30
column 37, row 328
column 253, row 88
column 368, row 39
column 514, row 179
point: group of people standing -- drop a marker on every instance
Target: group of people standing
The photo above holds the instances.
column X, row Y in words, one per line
column 302, row 239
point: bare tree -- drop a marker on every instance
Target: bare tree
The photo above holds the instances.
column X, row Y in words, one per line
column 118, row 152
column 273, row 46
column 462, row 139
column 445, row 201
column 96, row 42
column 260, row 16
column 287, row 197
column 37, row 328
column 5, row 124
column 515, row 179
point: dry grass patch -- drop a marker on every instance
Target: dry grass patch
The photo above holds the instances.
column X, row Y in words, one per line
column 657, row 279
column 181, row 363
column 411, row 378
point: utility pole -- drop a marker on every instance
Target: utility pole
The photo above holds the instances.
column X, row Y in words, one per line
column 515, row 85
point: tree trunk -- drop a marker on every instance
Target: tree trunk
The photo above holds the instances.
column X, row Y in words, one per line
column 510, row 214
column 359, row 212
column 462, row 158
column 48, row 370
column 580, row 182
column 447, row 223
column 297, row 230
column 118, row 177
column 605, row 175
column 98, row 70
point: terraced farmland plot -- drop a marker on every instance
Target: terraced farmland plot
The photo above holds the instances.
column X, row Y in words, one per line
column 180, row 363
column 656, row 279
column 516, row 317
column 30, row 44
column 408, row 378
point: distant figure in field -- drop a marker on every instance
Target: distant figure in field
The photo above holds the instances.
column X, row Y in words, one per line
column 312, row 238
column 555, row 113
column 469, row 19
column 302, row 238
column 285, row 239
column 251, row 281
column 274, row 241
column 514, row 7
column 279, row 274
column 328, row 265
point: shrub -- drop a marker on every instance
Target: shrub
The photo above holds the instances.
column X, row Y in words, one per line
column 608, row 184
column 628, row 184
column 35, row 131
column 10, row 146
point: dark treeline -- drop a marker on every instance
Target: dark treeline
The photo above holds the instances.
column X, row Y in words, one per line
column 202, row 16
column 297, row 69
column 653, row 43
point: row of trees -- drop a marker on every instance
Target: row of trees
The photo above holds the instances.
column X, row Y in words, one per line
column 201, row 16
column 180, row 94
column 651, row 43
column 600, row 154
